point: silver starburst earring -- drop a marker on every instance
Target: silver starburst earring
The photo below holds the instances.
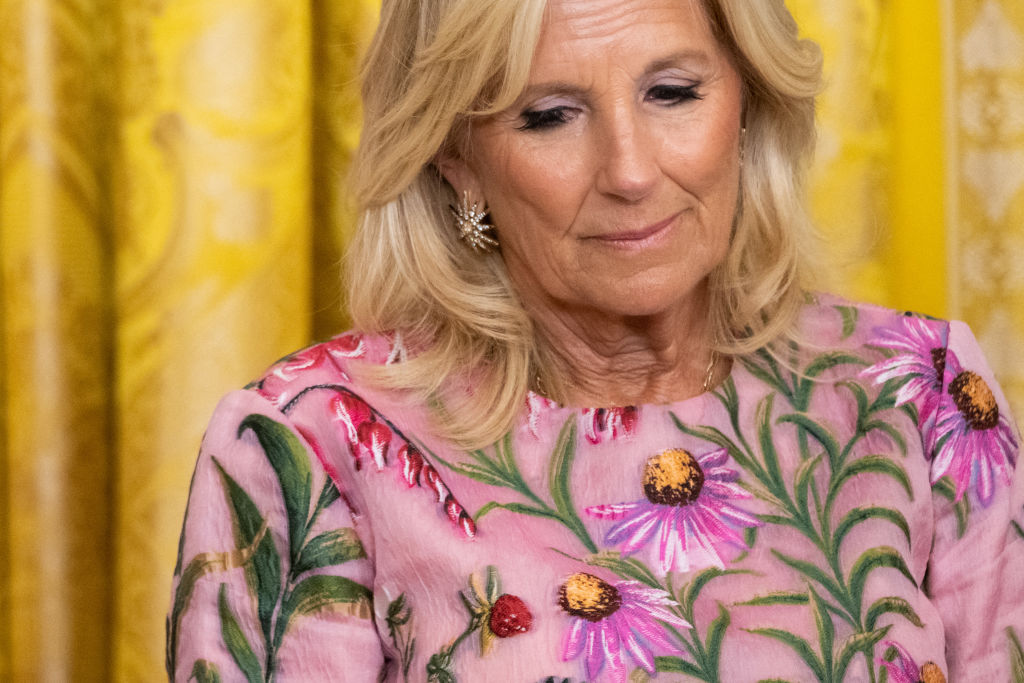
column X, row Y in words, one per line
column 472, row 230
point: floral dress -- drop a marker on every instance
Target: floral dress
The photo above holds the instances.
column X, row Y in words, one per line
column 845, row 512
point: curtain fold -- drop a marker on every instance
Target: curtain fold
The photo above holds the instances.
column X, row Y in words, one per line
column 57, row 333
column 212, row 257
column 173, row 214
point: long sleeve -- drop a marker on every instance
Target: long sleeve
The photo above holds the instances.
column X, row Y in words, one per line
column 272, row 581
column 974, row 575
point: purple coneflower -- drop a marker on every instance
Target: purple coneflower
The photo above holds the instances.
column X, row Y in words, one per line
column 687, row 502
column 610, row 620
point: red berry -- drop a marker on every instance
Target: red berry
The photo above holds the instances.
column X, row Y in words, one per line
column 510, row 616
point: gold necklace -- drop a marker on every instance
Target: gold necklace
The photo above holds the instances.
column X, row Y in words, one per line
column 709, row 374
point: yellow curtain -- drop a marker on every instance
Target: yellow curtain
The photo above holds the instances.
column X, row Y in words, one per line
column 172, row 214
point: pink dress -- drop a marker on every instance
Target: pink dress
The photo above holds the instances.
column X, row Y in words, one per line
column 851, row 514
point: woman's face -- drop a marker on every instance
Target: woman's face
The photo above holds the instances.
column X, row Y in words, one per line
column 613, row 180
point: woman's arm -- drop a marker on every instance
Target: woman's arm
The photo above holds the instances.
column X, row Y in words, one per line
column 272, row 580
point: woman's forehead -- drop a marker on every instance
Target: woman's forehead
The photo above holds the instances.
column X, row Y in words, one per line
column 582, row 33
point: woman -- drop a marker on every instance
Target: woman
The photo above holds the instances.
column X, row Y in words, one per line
column 770, row 485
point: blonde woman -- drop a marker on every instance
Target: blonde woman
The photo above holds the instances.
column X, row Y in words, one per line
column 590, row 424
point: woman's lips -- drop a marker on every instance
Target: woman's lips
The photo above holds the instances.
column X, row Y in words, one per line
column 641, row 237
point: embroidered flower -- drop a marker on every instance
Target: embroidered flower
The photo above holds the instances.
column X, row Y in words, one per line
column 274, row 387
column 687, row 503
column 362, row 430
column 610, row 620
column 903, row 669
column 973, row 440
column 600, row 424
column 416, row 471
column 536, row 407
column 921, row 359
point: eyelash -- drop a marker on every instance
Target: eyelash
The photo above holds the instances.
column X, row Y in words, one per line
column 669, row 95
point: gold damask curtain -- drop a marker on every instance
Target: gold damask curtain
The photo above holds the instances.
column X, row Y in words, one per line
column 172, row 214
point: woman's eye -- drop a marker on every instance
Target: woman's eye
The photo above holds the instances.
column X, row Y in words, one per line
column 546, row 118
column 673, row 94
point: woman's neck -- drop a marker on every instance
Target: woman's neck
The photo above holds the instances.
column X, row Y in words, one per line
column 596, row 359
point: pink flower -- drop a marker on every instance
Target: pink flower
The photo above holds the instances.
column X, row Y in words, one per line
column 536, row 407
column 610, row 621
column 903, row 669
column 609, row 423
column 921, row 358
column 275, row 385
column 687, row 504
column 974, row 441
column 416, row 471
column 362, row 431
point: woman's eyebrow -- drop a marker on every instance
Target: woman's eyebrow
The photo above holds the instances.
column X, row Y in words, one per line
column 676, row 59
column 681, row 58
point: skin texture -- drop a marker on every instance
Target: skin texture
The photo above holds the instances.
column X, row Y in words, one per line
column 612, row 183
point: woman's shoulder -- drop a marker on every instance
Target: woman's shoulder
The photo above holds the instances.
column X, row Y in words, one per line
column 829, row 320
column 330, row 363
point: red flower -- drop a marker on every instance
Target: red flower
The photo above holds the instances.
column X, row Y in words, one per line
column 275, row 385
column 609, row 423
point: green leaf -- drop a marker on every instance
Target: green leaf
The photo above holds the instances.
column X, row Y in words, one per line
column 875, row 464
column 1017, row 528
column 1016, row 656
column 702, row 579
column 872, row 559
column 849, row 315
column 861, row 514
column 813, row 572
column 826, row 629
column 204, row 671
column 961, row 508
column 799, row 645
column 291, row 464
column 323, row 592
column 858, row 642
column 717, row 437
column 626, row 567
column 493, row 584
column 235, row 640
column 677, row 665
column 820, row 434
column 329, row 548
column 830, row 360
column 199, row 566
column 559, row 481
column 264, row 572
column 804, row 481
column 518, row 508
column 764, row 435
column 716, row 634
column 891, row 605
column 778, row 598
column 890, row 430
column 859, row 395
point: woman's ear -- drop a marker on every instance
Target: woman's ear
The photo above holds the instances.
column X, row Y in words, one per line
column 460, row 175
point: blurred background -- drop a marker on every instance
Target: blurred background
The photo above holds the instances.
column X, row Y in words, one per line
column 172, row 213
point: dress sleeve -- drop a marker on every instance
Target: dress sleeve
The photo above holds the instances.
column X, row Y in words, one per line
column 272, row 580
column 974, row 575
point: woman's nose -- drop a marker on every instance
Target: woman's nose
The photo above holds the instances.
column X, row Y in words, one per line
column 627, row 157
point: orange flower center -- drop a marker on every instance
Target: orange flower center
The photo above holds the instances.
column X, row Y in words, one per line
column 586, row 596
column 673, row 477
column 931, row 673
column 975, row 400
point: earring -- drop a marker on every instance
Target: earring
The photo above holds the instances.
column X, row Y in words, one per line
column 743, row 143
column 472, row 229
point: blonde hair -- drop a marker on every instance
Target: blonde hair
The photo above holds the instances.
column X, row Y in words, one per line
column 433, row 65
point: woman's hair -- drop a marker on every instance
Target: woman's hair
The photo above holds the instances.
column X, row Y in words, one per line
column 432, row 67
